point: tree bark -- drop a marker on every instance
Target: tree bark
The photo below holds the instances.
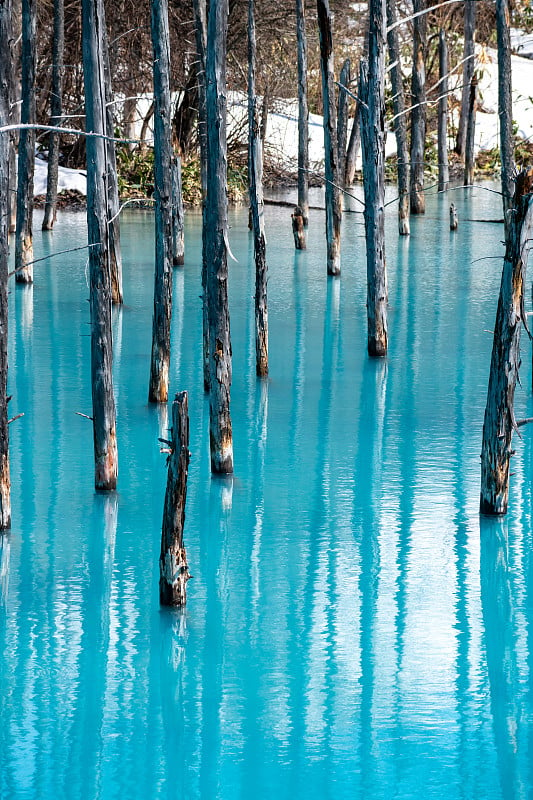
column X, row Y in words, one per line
column 56, row 110
column 500, row 422
column 505, row 109
column 470, row 133
column 173, row 567
column 298, row 229
column 255, row 174
column 442, row 130
column 418, row 113
column 129, row 118
column 216, row 221
column 5, row 146
column 468, row 72
column 372, row 92
column 104, row 424
column 331, row 161
column 26, row 157
column 160, row 360
column 354, row 143
column 303, row 115
column 342, row 116
column 400, row 121
column 178, row 242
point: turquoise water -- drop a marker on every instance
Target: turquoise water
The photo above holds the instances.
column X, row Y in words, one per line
column 353, row 629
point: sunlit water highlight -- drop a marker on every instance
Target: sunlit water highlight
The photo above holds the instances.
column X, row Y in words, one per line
column 353, row 629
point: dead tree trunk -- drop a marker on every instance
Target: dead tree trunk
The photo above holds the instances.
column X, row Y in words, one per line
column 178, row 242
column 115, row 253
column 331, row 161
column 500, row 422
column 26, row 157
column 129, row 118
column 342, row 115
column 470, row 133
column 468, row 72
column 56, row 110
column 173, row 567
column 160, row 361
column 104, row 425
column 372, row 91
column 352, row 150
column 298, row 229
column 255, row 173
column 216, row 222
column 442, row 130
column 505, row 111
column 5, row 145
column 303, row 115
column 418, row 113
column 400, row 120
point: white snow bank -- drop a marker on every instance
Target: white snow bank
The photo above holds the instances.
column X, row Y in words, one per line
column 68, row 179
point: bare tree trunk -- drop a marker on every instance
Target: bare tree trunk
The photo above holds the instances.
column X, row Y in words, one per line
column 354, row 143
column 342, row 116
column 56, row 110
column 505, row 108
column 173, row 567
column 5, row 144
column 418, row 113
column 500, row 422
column 331, row 162
column 255, row 173
column 400, row 121
column 372, row 88
column 160, row 361
column 442, row 133
column 468, row 72
column 298, row 229
column 129, row 118
column 115, row 254
column 470, row 134
column 14, row 118
column 104, row 425
column 303, row 116
column 26, row 158
column 216, row 221
column 178, row 242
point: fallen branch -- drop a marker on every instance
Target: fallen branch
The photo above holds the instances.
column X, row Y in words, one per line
column 14, row 418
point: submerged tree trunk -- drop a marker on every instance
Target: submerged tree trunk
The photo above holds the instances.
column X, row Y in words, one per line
column 442, row 135
column 400, row 120
column 372, row 88
column 5, row 145
column 255, row 174
column 178, row 242
column 505, row 109
column 26, row 157
column 216, row 221
column 303, row 117
column 104, row 425
column 173, row 567
column 468, row 72
column 470, row 132
column 115, row 254
column 500, row 422
column 331, row 161
column 418, row 114
column 56, row 110
column 160, row 360
column 342, row 116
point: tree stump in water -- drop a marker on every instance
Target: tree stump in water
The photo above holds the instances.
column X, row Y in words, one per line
column 298, row 229
column 453, row 217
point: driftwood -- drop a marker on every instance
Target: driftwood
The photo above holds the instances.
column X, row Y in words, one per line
column 5, row 146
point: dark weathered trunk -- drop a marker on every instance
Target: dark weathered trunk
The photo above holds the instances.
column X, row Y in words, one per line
column 255, row 175
column 342, row 115
column 470, row 133
column 505, row 108
column 160, row 360
column 56, row 110
column 186, row 114
column 400, row 120
column 173, row 567
column 14, row 118
column 499, row 422
column 372, row 92
column 216, row 222
column 5, row 144
column 298, row 229
column 178, row 241
column 468, row 72
column 104, row 425
column 418, row 113
column 303, row 115
column 454, row 223
column 352, row 150
column 442, row 129
column 331, row 161
column 26, row 157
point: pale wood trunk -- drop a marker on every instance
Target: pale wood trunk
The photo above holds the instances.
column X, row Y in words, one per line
column 216, row 221
column 173, row 567
column 505, row 108
column 160, row 359
column 298, row 229
column 442, row 130
column 373, row 128
column 400, row 121
column 56, row 110
column 129, row 118
column 470, row 132
column 453, row 218
column 303, row 116
column 331, row 161
column 500, row 423
column 352, row 150
column 104, row 414
column 469, row 30
column 178, row 241
column 418, row 113
column 26, row 153
column 255, row 174
column 342, row 115
column 14, row 118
